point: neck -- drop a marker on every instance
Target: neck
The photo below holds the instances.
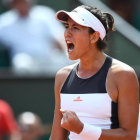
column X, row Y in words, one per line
column 92, row 60
column 91, row 64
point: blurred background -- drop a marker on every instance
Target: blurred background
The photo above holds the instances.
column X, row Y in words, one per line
column 32, row 50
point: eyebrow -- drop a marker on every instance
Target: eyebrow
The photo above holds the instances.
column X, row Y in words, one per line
column 75, row 24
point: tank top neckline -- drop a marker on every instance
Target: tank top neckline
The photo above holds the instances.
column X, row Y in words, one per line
column 76, row 68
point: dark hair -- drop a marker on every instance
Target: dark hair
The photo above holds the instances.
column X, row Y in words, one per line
column 106, row 19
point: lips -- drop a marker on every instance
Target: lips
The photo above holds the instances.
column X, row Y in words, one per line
column 70, row 46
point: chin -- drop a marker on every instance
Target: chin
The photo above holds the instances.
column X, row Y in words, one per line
column 73, row 58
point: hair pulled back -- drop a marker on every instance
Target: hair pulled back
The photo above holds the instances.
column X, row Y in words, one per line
column 106, row 19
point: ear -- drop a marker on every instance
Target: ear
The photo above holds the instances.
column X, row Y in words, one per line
column 95, row 37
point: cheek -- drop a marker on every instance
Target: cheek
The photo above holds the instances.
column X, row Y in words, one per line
column 82, row 41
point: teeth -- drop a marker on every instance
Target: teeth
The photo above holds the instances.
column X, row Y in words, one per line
column 70, row 46
column 70, row 50
column 69, row 42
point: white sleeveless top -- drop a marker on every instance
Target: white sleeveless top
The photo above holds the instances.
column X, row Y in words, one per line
column 89, row 99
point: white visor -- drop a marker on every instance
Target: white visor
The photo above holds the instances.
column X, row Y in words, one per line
column 83, row 17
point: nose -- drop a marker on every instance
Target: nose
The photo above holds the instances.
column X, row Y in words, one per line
column 68, row 33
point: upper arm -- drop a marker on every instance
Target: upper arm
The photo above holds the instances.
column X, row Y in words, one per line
column 128, row 100
column 128, row 106
column 58, row 133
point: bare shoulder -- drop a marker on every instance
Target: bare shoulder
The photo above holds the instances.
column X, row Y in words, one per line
column 64, row 72
column 122, row 72
column 62, row 75
column 119, row 67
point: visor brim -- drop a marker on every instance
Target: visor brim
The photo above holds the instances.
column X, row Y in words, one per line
column 63, row 16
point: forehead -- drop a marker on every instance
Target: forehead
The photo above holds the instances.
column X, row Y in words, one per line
column 71, row 22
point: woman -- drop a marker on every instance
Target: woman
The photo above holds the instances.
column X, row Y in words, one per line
column 96, row 99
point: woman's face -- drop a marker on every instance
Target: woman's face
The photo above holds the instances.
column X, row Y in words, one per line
column 77, row 39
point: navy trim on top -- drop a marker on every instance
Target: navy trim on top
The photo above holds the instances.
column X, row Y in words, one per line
column 114, row 115
column 93, row 84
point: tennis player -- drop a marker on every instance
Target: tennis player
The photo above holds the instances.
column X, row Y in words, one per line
column 97, row 98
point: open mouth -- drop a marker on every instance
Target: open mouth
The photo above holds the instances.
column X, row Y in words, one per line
column 70, row 46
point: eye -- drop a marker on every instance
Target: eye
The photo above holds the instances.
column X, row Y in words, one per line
column 76, row 27
column 66, row 26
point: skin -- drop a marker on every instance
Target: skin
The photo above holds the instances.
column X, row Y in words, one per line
column 15, row 136
column 22, row 6
column 122, row 87
column 33, row 130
